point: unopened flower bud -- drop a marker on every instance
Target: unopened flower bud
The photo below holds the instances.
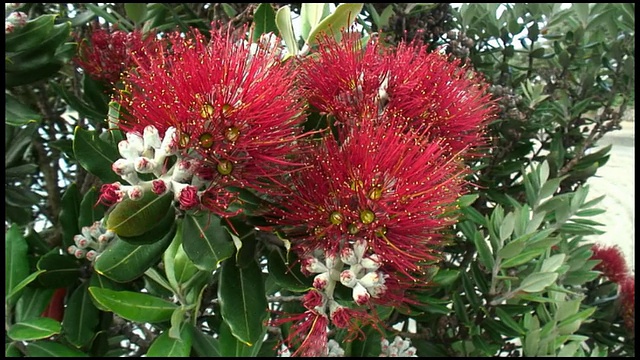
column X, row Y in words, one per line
column 360, row 294
column 370, row 279
column 321, row 281
column 169, row 143
column 9, row 27
column 135, row 192
column 348, row 278
column 371, row 263
column 122, row 166
column 159, row 187
column 17, row 18
column 91, row 255
column 72, row 249
column 348, row 256
column 144, row 165
column 151, row 137
column 136, row 143
column 313, row 265
column 80, row 241
column 79, row 253
column 188, row 198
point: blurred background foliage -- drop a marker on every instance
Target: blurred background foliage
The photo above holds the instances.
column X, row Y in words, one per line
column 563, row 76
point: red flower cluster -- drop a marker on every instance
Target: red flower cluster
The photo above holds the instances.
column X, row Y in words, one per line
column 107, row 54
column 380, row 187
column 233, row 106
column 614, row 266
column 446, row 101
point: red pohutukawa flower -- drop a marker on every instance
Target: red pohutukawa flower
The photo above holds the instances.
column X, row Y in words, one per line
column 107, row 54
column 233, row 106
column 447, row 101
column 382, row 184
column 627, row 301
column 613, row 264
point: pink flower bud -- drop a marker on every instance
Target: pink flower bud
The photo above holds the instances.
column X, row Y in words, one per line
column 188, row 198
column 110, row 194
column 313, row 266
column 72, row 249
column 135, row 192
column 80, row 241
column 360, row 294
column 370, row 279
column 79, row 253
column 321, row 281
column 122, row 167
column 91, row 255
column 170, row 142
column 159, row 187
column 348, row 278
column 17, row 18
column 143, row 165
column 8, row 27
column 371, row 263
column 348, row 256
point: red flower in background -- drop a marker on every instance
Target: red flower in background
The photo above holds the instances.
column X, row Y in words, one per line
column 613, row 264
column 234, row 107
column 438, row 97
column 107, row 53
column 628, row 300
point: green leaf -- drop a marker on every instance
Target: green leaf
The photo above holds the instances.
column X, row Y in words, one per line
column 203, row 344
column 123, row 262
column 18, row 114
column 103, row 282
column 136, row 11
column 243, row 303
column 509, row 321
column 553, row 263
column 230, row 346
column 264, row 21
column 142, row 221
column 522, row 258
column 311, row 14
column 134, row 306
column 446, row 277
column 513, row 248
column 285, row 27
column 484, row 252
column 286, row 272
column 32, row 303
column 16, row 264
column 95, row 155
column 16, row 292
column 34, row 329
column 82, row 318
column 205, row 240
column 31, row 36
column 507, row 226
column 537, row 282
column 69, row 214
column 166, row 346
column 60, row 269
column 341, row 18
column 51, row 349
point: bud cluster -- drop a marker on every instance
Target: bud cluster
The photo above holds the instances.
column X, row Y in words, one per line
column 147, row 154
column 91, row 242
column 14, row 19
column 398, row 348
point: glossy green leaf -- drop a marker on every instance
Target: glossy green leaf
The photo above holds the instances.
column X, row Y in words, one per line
column 509, row 321
column 103, row 282
column 537, row 282
column 69, row 214
column 61, row 269
column 31, row 36
column 286, row 272
column 203, row 344
column 332, row 25
column 166, row 346
column 34, row 329
column 95, row 93
column 243, row 303
column 16, row 292
column 230, row 346
column 142, row 221
column 18, row 114
column 553, row 263
column 285, row 27
column 123, row 262
column 77, row 104
column 32, row 303
column 80, row 322
column 95, row 155
column 512, row 248
column 205, row 241
column 51, row 349
column 16, row 264
column 134, row 306
column 264, row 21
